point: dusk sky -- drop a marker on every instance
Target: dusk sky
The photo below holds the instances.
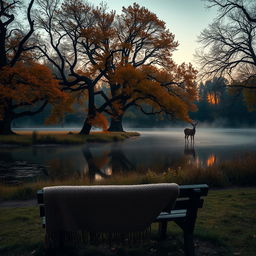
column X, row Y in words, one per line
column 185, row 18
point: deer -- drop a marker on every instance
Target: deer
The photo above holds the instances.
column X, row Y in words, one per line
column 190, row 132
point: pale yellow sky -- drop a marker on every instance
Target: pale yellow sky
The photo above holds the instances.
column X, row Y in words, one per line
column 185, row 18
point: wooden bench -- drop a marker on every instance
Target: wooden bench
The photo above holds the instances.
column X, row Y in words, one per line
column 184, row 213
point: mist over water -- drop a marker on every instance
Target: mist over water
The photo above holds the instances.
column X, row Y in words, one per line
column 204, row 137
column 155, row 150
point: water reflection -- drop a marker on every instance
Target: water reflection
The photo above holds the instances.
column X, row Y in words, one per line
column 189, row 149
column 194, row 159
column 190, row 153
column 107, row 162
column 211, row 160
column 118, row 160
column 96, row 165
column 155, row 151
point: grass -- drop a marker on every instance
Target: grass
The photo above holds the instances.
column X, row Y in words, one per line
column 229, row 217
column 39, row 138
column 226, row 225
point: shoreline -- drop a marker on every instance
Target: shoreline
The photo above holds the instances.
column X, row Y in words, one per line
column 61, row 138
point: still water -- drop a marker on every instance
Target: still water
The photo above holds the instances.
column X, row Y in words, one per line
column 154, row 150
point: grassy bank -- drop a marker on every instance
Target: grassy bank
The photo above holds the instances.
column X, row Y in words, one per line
column 39, row 138
column 225, row 226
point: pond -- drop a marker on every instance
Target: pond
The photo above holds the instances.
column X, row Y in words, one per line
column 155, row 150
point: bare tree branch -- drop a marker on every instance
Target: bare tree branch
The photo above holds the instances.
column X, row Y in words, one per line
column 26, row 37
column 228, row 43
column 31, row 113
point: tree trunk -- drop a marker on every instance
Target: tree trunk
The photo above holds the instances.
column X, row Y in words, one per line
column 91, row 112
column 86, row 127
column 116, row 124
column 92, row 169
column 5, row 124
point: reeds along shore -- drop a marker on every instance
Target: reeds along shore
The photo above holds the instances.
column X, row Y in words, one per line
column 239, row 172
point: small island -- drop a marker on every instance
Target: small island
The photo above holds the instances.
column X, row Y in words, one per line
column 62, row 138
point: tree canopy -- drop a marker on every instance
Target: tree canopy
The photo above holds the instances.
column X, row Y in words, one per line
column 96, row 48
column 143, row 45
column 125, row 59
column 26, row 86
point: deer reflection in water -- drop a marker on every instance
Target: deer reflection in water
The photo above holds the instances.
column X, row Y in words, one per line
column 189, row 150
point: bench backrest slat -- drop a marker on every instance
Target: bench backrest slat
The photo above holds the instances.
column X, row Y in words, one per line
column 184, row 204
column 187, row 190
column 186, row 198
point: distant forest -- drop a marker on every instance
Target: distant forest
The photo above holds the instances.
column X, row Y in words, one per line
column 218, row 106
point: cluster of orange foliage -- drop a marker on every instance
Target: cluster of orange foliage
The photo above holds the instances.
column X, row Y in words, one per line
column 245, row 82
column 27, row 83
column 146, row 85
column 249, row 91
column 250, row 98
column 100, row 121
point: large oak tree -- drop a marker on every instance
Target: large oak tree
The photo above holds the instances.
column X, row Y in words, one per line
column 25, row 86
column 140, row 70
column 62, row 25
column 92, row 48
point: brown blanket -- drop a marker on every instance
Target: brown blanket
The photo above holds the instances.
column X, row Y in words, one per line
column 121, row 208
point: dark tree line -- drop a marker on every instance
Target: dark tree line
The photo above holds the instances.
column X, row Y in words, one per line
column 217, row 105
column 220, row 105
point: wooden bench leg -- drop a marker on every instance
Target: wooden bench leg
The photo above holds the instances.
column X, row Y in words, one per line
column 189, row 247
column 162, row 230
